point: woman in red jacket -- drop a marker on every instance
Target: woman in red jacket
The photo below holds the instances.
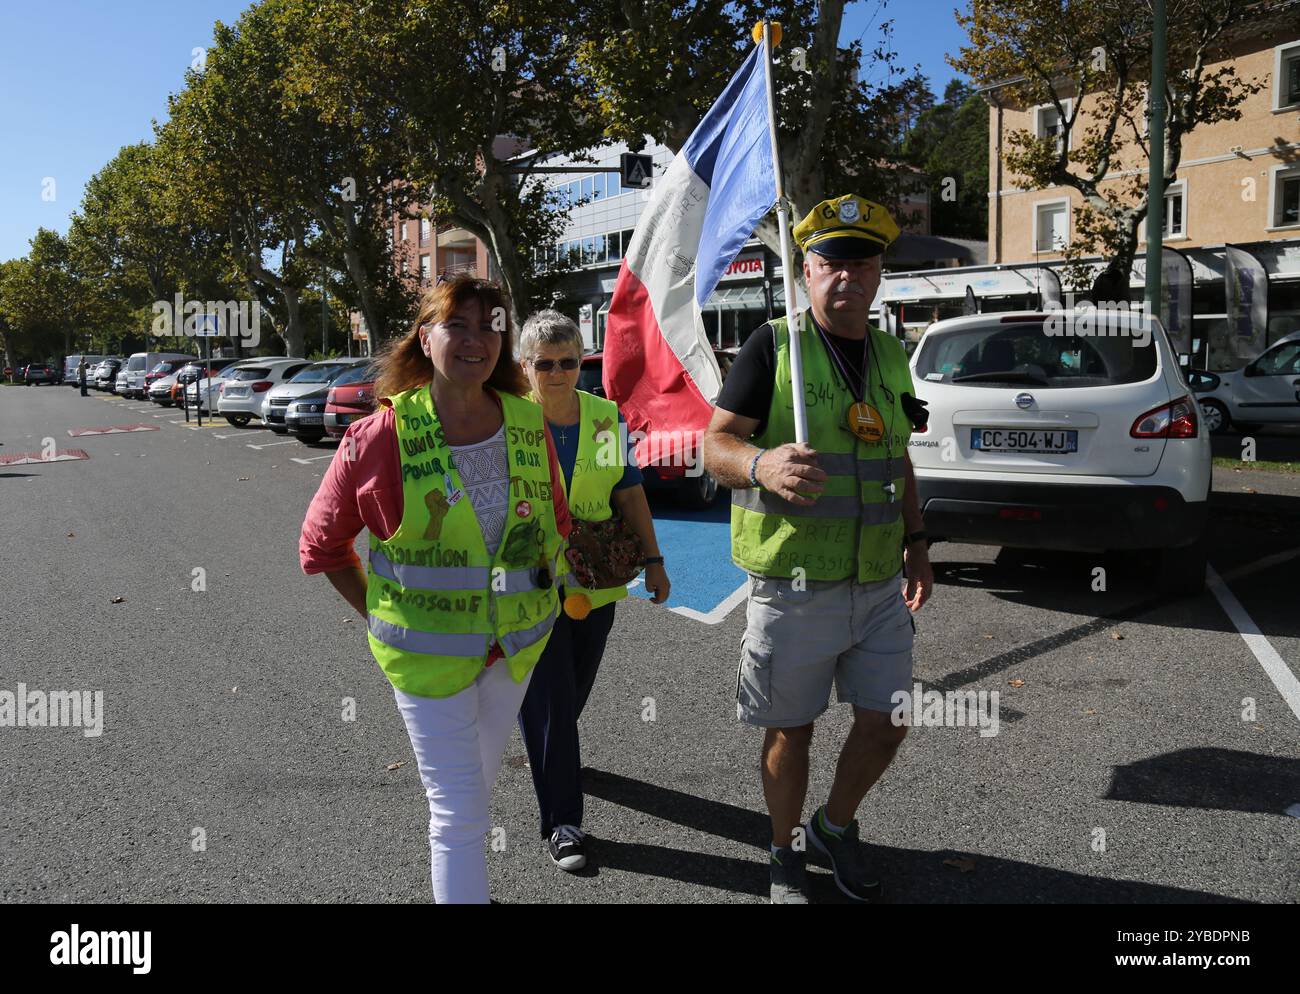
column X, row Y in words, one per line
column 452, row 426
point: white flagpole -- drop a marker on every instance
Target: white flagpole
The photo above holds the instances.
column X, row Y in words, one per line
column 787, row 267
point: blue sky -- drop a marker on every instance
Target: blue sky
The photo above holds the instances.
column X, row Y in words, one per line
column 79, row 79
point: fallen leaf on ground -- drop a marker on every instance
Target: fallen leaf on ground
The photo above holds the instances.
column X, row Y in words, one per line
column 1091, row 711
column 242, row 478
column 988, row 636
column 964, row 863
column 117, row 600
column 1117, row 636
column 1017, row 682
column 1249, row 490
column 72, row 534
column 348, row 621
column 395, row 766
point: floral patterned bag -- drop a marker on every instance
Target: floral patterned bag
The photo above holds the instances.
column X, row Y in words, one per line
column 603, row 553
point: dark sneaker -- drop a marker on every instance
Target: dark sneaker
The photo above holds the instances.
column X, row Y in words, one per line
column 567, row 848
column 789, row 881
column 852, row 875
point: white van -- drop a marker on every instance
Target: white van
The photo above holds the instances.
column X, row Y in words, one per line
column 136, row 367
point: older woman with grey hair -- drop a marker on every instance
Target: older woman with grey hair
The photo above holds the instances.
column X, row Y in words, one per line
column 599, row 481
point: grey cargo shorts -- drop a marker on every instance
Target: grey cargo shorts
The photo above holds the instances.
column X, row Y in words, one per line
column 857, row 636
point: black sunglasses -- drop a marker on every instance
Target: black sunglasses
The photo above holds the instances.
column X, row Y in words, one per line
column 546, row 365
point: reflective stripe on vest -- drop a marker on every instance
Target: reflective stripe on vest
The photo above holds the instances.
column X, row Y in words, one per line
column 765, row 502
column 451, row 577
column 472, row 645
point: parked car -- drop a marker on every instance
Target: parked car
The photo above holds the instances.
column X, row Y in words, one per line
column 684, row 474
column 1071, row 442
column 40, row 372
column 208, row 387
column 68, row 371
column 1266, row 391
column 243, row 392
column 163, row 376
column 131, row 379
column 350, row 398
column 106, row 372
column 316, row 378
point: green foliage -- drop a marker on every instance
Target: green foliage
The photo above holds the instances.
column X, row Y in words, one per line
column 949, row 143
column 1054, row 51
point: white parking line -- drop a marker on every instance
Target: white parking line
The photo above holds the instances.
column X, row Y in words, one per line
column 720, row 612
column 267, row 445
column 1274, row 665
column 1268, row 562
column 234, row 435
column 328, row 455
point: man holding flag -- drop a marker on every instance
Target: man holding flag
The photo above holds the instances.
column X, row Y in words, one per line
column 822, row 502
column 824, row 529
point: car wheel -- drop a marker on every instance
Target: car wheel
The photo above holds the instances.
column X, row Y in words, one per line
column 1215, row 416
column 278, row 430
column 310, row 438
column 697, row 492
column 1182, row 570
column 239, row 420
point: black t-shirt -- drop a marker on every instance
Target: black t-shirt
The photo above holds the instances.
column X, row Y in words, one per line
column 751, row 380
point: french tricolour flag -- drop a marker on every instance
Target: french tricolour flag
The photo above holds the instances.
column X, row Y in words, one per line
column 658, row 363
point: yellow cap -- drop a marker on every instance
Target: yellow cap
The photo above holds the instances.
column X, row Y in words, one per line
column 846, row 227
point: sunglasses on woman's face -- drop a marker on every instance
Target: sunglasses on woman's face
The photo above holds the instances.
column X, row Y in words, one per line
column 546, row 365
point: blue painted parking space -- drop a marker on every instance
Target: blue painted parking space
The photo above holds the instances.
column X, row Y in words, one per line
column 697, row 552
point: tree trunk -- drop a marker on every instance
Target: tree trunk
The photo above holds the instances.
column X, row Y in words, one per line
column 294, row 334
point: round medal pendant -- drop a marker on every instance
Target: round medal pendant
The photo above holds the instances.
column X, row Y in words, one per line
column 865, row 422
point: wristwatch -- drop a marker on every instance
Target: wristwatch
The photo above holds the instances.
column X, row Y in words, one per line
column 652, row 561
column 920, row 536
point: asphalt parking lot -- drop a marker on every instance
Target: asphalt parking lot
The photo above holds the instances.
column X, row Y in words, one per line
column 1145, row 752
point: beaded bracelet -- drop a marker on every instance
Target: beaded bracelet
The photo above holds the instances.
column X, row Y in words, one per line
column 753, row 469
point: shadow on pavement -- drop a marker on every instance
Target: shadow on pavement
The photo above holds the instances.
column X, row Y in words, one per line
column 908, row 875
column 1213, row 779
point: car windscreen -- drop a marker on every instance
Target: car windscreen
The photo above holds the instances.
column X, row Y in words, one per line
column 357, row 374
column 589, row 378
column 319, row 374
column 245, row 374
column 1023, row 353
column 135, row 363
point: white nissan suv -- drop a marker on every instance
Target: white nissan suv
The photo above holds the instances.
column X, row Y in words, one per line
column 1071, row 430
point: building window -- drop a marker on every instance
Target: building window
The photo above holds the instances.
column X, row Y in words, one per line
column 1051, row 225
column 1176, row 210
column 598, row 186
column 1048, row 122
column 390, row 239
column 1284, row 197
column 424, row 230
column 425, row 270
column 401, row 226
column 405, row 265
column 613, row 185
column 1286, row 76
column 586, row 188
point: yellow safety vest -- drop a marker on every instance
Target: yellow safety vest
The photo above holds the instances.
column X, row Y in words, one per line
column 436, row 599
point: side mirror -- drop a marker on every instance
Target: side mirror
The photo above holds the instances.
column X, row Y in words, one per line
column 1250, row 370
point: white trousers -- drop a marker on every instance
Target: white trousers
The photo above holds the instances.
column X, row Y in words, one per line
column 458, row 742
